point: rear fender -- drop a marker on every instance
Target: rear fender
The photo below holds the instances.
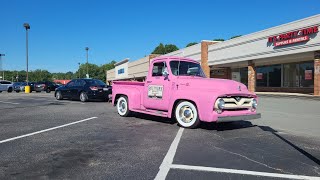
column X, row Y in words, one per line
column 133, row 95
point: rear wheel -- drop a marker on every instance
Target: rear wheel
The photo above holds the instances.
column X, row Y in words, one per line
column 17, row 91
column 59, row 96
column 83, row 97
column 10, row 90
column 123, row 106
column 48, row 90
column 186, row 115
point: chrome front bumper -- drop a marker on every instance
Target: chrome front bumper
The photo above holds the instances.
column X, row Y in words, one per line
column 238, row 118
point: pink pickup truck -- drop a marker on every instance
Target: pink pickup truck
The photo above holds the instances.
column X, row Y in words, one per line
column 177, row 87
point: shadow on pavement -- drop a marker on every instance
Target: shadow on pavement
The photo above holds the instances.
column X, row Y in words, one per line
column 153, row 118
column 226, row 126
column 274, row 132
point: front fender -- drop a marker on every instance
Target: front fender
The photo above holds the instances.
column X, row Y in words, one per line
column 203, row 101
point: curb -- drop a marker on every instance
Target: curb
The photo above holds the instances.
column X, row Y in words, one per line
column 305, row 97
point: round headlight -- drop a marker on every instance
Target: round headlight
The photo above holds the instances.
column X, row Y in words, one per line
column 254, row 103
column 221, row 103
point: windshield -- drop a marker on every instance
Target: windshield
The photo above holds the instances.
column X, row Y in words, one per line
column 185, row 68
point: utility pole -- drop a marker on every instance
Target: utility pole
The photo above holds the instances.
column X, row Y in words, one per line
column 79, row 70
column 87, row 75
column 27, row 26
column 1, row 66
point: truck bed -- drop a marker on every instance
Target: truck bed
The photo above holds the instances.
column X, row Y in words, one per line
column 136, row 83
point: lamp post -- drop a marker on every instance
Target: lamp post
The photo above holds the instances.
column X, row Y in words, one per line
column 79, row 70
column 87, row 75
column 27, row 26
column 1, row 65
column 27, row 87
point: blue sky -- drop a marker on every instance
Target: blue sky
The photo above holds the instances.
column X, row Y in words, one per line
column 117, row 29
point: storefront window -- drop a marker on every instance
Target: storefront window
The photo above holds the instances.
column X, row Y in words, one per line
column 244, row 75
column 306, row 71
column 298, row 74
column 240, row 75
column 269, row 76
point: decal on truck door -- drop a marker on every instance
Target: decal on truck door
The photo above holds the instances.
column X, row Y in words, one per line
column 155, row 91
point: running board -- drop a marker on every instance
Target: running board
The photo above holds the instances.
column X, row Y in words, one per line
column 152, row 112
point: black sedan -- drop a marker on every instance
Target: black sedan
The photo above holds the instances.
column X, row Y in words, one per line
column 84, row 90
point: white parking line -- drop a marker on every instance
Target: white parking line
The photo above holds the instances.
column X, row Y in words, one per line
column 166, row 165
column 45, row 130
column 5, row 102
column 168, row 159
column 243, row 172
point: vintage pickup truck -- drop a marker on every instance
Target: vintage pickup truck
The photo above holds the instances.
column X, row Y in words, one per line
column 177, row 87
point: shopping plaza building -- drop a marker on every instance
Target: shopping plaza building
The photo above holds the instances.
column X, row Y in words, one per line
column 284, row 58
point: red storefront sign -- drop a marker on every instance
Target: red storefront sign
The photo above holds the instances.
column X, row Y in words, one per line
column 293, row 37
column 308, row 74
column 259, row 76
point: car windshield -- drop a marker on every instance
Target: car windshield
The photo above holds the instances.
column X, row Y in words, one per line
column 94, row 82
column 185, row 68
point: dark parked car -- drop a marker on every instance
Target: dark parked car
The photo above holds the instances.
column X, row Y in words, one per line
column 46, row 86
column 84, row 89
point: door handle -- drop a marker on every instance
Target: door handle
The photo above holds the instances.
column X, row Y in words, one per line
column 149, row 81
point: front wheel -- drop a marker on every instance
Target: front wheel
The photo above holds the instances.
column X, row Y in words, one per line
column 48, row 90
column 83, row 97
column 123, row 106
column 186, row 115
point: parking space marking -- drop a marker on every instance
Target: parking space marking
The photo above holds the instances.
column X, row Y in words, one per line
column 168, row 159
column 45, row 130
column 5, row 102
column 243, row 172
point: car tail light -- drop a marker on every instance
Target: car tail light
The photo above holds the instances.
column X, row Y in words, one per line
column 94, row 88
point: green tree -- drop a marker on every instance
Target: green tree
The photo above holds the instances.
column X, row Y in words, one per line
column 191, row 44
column 170, row 48
column 218, row 39
column 164, row 49
column 235, row 36
column 160, row 49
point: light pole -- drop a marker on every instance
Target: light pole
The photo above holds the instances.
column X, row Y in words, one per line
column 27, row 87
column 87, row 75
column 27, row 26
column 79, row 70
column 1, row 65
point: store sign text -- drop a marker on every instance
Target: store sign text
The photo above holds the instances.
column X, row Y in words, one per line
column 293, row 37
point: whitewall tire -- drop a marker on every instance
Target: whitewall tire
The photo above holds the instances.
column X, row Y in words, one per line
column 123, row 106
column 186, row 114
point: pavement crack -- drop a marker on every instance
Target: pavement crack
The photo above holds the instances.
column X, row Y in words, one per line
column 252, row 160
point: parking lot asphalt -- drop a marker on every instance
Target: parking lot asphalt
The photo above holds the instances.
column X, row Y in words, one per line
column 42, row 138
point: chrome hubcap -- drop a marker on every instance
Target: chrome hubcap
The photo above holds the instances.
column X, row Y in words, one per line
column 122, row 106
column 186, row 114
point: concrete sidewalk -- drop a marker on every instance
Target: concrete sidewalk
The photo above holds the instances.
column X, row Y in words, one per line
column 288, row 95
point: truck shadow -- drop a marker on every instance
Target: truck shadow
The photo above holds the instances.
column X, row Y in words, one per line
column 153, row 118
column 305, row 153
column 226, row 126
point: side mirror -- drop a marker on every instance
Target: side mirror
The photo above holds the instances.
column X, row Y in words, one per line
column 165, row 73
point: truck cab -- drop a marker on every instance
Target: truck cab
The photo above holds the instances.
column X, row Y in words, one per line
column 177, row 87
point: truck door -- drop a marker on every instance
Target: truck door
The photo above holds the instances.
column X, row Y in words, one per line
column 157, row 88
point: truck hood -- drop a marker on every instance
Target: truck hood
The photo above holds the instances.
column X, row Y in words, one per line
column 221, row 86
